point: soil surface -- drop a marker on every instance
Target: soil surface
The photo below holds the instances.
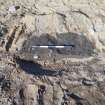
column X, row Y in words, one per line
column 74, row 75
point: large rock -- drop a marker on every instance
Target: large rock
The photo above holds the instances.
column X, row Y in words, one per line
column 30, row 94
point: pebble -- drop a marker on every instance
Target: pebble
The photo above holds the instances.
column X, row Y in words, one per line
column 12, row 9
column 35, row 57
column 88, row 82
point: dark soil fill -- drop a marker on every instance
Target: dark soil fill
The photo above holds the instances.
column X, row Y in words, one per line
column 80, row 45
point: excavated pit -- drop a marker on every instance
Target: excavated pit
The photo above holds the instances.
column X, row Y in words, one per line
column 79, row 45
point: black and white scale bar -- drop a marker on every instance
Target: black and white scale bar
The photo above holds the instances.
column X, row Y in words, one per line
column 53, row 46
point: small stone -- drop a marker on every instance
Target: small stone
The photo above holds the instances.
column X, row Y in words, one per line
column 12, row 9
column 36, row 57
column 88, row 82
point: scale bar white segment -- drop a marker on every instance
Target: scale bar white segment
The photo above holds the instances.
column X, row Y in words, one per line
column 51, row 46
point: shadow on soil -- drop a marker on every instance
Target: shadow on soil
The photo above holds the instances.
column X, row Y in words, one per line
column 36, row 69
